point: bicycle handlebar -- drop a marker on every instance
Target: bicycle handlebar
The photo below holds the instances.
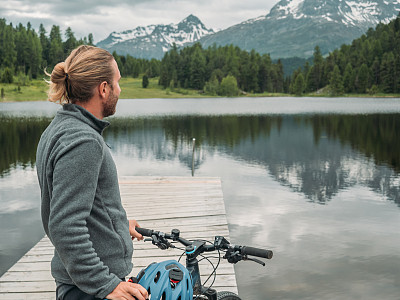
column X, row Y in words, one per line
column 144, row 231
column 246, row 250
column 257, row 252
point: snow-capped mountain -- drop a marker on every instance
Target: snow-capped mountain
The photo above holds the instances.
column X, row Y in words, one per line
column 295, row 27
column 350, row 13
column 154, row 40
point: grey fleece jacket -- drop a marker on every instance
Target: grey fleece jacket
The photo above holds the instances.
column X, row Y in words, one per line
column 81, row 206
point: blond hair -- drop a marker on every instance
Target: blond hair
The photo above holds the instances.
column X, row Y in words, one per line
column 76, row 78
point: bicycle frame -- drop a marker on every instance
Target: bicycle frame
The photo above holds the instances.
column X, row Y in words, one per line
column 192, row 265
column 198, row 288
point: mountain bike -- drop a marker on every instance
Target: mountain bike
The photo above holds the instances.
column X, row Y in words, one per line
column 171, row 280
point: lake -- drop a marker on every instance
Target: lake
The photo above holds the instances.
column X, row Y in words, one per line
column 317, row 180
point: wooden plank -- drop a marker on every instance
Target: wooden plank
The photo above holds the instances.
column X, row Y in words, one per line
column 28, row 287
column 194, row 205
column 27, row 296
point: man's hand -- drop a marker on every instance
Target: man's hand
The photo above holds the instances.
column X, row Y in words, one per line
column 128, row 291
column 132, row 230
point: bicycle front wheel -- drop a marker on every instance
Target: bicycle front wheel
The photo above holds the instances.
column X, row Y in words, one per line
column 227, row 296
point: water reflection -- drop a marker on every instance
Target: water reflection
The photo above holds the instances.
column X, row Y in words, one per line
column 313, row 155
column 18, row 141
column 316, row 155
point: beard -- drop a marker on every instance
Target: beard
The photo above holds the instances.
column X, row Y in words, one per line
column 110, row 105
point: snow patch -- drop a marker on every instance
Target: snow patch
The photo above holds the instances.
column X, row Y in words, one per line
column 254, row 20
column 361, row 12
column 294, row 6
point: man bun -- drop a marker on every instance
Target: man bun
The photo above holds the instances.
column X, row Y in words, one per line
column 76, row 78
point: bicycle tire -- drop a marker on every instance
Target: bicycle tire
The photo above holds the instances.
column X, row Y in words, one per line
column 224, row 295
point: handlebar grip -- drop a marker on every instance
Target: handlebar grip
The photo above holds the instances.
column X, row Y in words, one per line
column 257, row 252
column 144, row 231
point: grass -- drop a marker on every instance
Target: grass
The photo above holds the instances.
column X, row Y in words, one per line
column 36, row 90
column 132, row 89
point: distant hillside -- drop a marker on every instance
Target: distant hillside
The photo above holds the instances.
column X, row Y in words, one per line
column 370, row 64
column 295, row 27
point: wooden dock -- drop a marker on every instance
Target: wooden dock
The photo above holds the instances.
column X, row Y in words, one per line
column 194, row 205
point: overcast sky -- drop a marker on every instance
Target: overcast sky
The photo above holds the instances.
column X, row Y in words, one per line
column 101, row 17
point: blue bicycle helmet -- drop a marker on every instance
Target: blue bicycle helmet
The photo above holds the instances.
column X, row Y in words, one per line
column 168, row 280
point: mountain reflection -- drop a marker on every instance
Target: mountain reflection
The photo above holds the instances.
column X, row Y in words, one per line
column 314, row 155
column 317, row 155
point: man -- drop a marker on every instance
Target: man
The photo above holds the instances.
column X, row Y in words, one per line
column 81, row 206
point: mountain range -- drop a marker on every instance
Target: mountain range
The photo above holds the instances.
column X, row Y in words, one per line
column 292, row 28
column 154, row 40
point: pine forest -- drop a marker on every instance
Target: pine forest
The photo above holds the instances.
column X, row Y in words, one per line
column 370, row 64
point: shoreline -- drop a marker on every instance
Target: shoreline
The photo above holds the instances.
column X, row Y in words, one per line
column 383, row 96
column 132, row 89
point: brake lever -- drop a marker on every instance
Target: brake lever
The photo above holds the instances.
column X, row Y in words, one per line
column 254, row 259
column 160, row 242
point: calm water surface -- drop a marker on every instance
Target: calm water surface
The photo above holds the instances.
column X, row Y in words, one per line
column 315, row 180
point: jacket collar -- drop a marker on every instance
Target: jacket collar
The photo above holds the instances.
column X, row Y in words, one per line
column 85, row 116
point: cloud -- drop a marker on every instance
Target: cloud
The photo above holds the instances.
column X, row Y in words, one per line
column 101, row 17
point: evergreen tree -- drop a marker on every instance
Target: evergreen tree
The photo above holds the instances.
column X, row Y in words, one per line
column 217, row 74
column 70, row 43
column 145, row 81
column 255, row 60
column 388, row 73
column 314, row 77
column 294, row 75
column 9, row 53
column 348, row 79
column 376, row 70
column 153, row 69
column 336, row 82
column 7, row 76
column 23, row 48
column 45, row 44
column 174, row 66
column 244, row 71
column 306, row 69
column 132, row 67
column 396, row 82
column 164, row 79
column 2, row 29
column 264, row 78
column 197, row 69
column 362, row 79
column 118, row 60
column 35, row 61
column 377, row 49
column 232, row 64
column 299, row 85
column 56, row 52
column 277, row 77
column 90, row 39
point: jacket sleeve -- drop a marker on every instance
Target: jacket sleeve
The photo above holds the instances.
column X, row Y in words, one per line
column 75, row 177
